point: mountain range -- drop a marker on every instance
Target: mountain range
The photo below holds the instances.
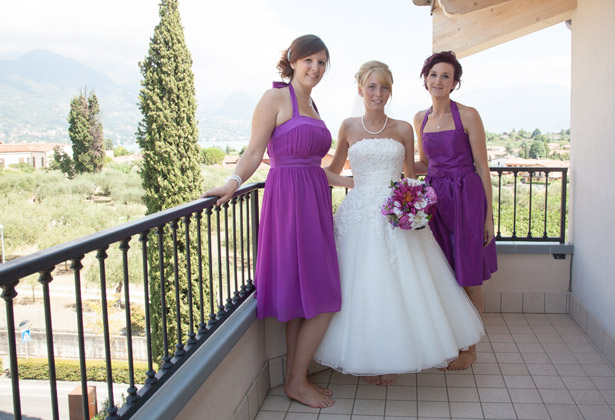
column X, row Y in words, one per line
column 37, row 87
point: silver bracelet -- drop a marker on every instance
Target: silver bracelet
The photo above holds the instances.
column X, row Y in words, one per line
column 236, row 178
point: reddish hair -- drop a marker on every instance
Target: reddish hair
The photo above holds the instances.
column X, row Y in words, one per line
column 442, row 57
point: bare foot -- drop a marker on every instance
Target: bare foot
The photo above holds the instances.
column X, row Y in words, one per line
column 307, row 394
column 464, row 361
column 322, row 389
column 387, row 380
column 372, row 380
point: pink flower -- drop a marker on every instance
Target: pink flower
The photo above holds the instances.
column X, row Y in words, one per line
column 411, row 205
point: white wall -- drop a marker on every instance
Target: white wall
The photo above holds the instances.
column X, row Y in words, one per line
column 11, row 158
column 592, row 153
column 27, row 157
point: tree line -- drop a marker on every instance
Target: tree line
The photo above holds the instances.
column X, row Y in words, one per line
column 534, row 145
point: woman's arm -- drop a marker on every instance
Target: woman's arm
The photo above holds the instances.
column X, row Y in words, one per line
column 339, row 160
column 476, row 131
column 407, row 136
column 263, row 124
column 422, row 164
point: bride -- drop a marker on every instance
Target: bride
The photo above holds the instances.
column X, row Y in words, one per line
column 402, row 310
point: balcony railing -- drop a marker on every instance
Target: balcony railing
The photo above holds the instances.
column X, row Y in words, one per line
column 219, row 251
column 524, row 208
column 531, row 204
column 223, row 240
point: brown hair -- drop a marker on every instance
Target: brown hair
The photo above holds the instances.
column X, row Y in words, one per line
column 442, row 57
column 303, row 46
column 385, row 77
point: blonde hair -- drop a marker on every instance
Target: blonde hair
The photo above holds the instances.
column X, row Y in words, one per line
column 383, row 72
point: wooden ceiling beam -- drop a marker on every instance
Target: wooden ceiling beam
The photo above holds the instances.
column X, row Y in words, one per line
column 461, row 7
column 475, row 31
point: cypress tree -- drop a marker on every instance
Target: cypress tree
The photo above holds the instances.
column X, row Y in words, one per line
column 97, row 146
column 86, row 133
column 168, row 137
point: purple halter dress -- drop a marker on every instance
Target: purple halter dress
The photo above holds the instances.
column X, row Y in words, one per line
column 458, row 224
column 297, row 274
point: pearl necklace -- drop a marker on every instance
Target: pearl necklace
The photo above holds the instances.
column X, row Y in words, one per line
column 373, row 133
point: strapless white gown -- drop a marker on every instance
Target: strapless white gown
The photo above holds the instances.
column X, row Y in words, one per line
column 402, row 309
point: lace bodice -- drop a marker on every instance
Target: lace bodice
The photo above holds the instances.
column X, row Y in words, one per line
column 375, row 162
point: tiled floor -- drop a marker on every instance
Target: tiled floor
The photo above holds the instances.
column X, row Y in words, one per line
column 529, row 366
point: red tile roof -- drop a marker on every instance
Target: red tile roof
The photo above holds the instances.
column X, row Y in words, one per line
column 29, row 147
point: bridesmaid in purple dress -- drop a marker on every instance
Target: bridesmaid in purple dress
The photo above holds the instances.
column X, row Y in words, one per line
column 453, row 153
column 297, row 276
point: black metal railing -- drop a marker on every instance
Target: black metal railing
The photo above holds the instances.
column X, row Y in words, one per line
column 530, row 204
column 215, row 246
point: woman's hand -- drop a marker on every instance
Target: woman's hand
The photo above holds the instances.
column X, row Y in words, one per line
column 489, row 232
column 225, row 192
column 263, row 124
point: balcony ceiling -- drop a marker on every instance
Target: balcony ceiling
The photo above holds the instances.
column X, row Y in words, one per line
column 468, row 27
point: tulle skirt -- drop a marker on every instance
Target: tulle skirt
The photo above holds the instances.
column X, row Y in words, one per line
column 402, row 309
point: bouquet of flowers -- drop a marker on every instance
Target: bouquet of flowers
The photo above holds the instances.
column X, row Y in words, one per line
column 411, row 205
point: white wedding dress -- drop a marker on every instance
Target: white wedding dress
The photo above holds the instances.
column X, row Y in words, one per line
column 402, row 309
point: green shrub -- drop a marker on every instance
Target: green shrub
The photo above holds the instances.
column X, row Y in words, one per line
column 68, row 370
column 212, row 155
column 12, row 181
column 23, row 167
column 120, row 151
column 62, row 162
column 124, row 167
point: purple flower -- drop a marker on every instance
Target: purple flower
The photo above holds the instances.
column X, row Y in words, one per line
column 411, row 205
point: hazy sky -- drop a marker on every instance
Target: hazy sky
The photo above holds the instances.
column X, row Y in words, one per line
column 235, row 46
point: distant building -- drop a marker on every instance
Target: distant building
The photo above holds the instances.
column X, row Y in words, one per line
column 495, row 153
column 230, row 160
column 127, row 158
column 499, row 162
column 538, row 163
column 38, row 155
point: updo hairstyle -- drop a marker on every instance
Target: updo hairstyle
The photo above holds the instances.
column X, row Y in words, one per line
column 385, row 77
column 301, row 47
column 442, row 57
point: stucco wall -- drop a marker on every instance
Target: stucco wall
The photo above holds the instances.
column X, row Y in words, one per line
column 592, row 154
column 241, row 380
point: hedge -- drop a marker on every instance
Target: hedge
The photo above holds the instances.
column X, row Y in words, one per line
column 68, row 370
